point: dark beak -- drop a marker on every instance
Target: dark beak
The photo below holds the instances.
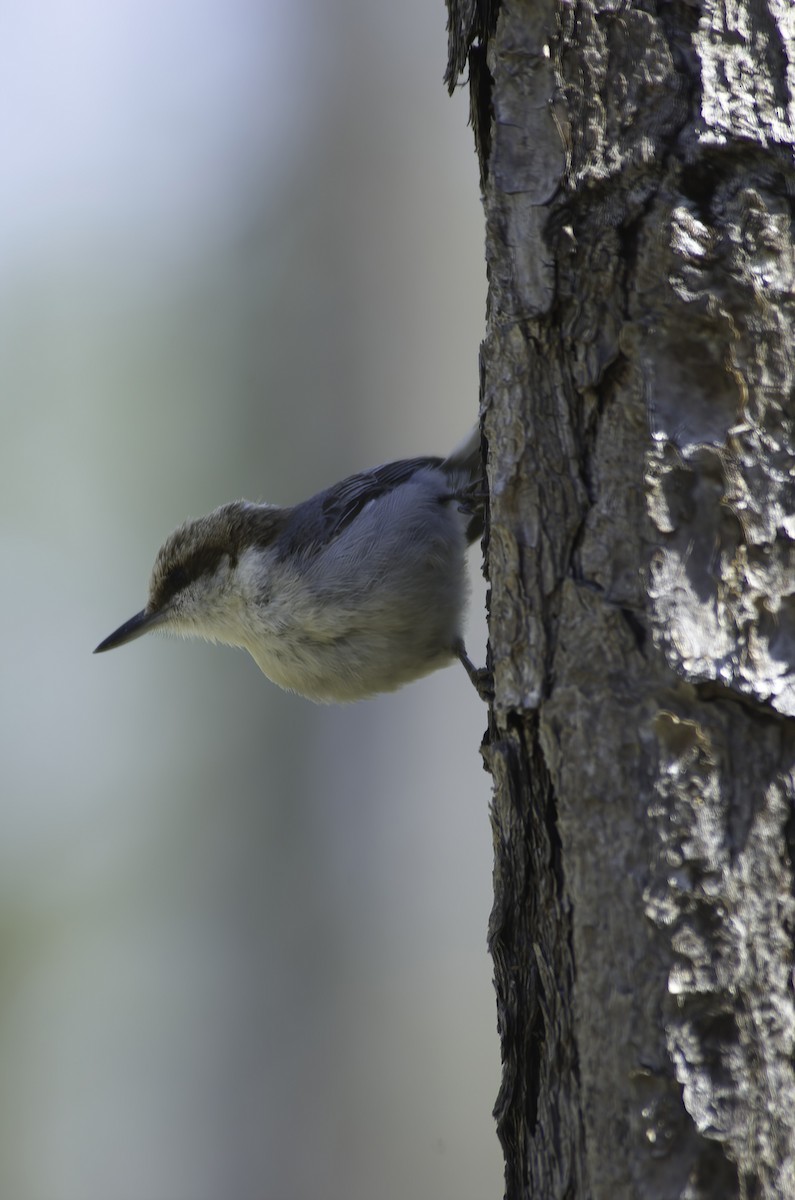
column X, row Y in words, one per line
column 141, row 623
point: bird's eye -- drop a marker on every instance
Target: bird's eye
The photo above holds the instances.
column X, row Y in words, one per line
column 176, row 578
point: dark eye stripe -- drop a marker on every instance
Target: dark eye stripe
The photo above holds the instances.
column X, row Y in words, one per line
column 180, row 574
column 176, row 578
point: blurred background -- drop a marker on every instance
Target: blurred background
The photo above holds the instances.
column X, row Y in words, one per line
column 242, row 938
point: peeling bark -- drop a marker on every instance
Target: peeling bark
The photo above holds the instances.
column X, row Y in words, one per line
column 637, row 165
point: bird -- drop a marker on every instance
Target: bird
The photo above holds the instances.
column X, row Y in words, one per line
column 358, row 590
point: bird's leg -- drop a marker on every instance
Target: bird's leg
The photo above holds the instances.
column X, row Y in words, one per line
column 472, row 498
column 481, row 677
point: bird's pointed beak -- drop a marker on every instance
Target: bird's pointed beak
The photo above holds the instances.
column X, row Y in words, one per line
column 141, row 623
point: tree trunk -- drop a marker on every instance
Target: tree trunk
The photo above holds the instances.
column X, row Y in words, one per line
column 637, row 167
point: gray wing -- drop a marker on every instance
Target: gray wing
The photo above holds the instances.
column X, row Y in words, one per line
column 317, row 521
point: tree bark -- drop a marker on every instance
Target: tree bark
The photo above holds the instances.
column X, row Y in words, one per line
column 637, row 169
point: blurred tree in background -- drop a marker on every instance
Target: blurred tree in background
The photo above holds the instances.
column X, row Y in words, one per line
column 242, row 937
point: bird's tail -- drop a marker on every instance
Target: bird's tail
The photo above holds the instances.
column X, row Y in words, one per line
column 467, row 456
column 465, row 466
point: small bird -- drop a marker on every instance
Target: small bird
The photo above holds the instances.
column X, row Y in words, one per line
column 358, row 590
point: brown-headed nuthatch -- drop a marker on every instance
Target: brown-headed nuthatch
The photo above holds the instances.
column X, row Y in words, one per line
column 358, row 590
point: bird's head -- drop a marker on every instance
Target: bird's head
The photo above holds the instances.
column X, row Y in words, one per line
column 195, row 589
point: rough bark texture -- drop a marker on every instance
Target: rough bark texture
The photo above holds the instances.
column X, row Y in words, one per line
column 637, row 162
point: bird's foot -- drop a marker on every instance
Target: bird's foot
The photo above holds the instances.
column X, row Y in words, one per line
column 481, row 677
